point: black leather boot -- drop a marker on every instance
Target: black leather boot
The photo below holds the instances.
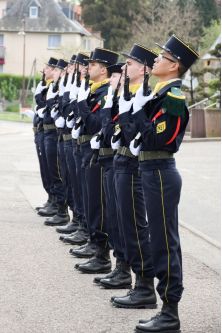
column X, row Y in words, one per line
column 46, row 204
column 61, row 237
column 49, row 210
column 77, row 238
column 101, row 263
column 97, row 279
column 166, row 321
column 61, row 218
column 68, row 228
column 141, row 297
column 121, row 280
column 87, row 251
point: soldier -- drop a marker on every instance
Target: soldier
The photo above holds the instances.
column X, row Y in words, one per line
column 94, row 203
column 59, row 209
column 161, row 118
column 40, row 98
column 73, row 155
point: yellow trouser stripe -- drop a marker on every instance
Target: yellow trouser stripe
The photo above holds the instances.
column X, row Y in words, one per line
column 134, row 215
column 165, row 229
column 101, row 189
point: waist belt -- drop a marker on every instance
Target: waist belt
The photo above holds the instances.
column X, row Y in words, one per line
column 154, row 155
column 49, row 127
column 34, row 130
column 67, row 137
column 84, row 138
column 125, row 152
column 105, row 152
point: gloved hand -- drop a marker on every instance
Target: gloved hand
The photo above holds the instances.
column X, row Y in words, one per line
column 76, row 132
column 115, row 145
column 94, row 143
column 60, row 122
column 54, row 112
column 134, row 151
column 140, row 100
column 124, row 106
column 69, row 82
column 74, row 90
column 83, row 94
column 39, row 88
column 70, row 123
column 109, row 98
column 50, row 93
column 61, row 86
column 40, row 112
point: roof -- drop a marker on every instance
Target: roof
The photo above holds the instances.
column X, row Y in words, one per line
column 51, row 18
column 208, row 56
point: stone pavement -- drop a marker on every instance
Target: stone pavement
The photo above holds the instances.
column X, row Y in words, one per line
column 40, row 291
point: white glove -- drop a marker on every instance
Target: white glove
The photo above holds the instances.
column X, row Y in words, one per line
column 60, row 122
column 74, row 90
column 70, row 123
column 40, row 112
column 94, row 143
column 61, row 86
column 39, row 88
column 76, row 132
column 109, row 99
column 69, row 82
column 54, row 112
column 134, row 151
column 115, row 145
column 140, row 100
column 50, row 93
column 83, row 94
column 124, row 106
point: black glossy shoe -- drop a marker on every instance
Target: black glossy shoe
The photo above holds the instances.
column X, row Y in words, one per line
column 57, row 220
column 49, row 210
column 121, row 280
column 166, row 321
column 81, row 263
column 80, row 247
column 87, row 251
column 78, row 238
column 141, row 297
column 97, row 279
column 69, row 228
column 95, row 266
column 46, row 204
column 61, row 237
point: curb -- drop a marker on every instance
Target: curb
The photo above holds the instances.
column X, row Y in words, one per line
column 201, row 139
column 200, row 235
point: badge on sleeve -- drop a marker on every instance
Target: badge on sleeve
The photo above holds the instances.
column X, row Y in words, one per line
column 161, row 127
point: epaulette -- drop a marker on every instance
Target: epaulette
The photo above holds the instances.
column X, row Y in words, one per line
column 174, row 102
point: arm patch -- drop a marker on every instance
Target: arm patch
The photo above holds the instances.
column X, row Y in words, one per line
column 174, row 102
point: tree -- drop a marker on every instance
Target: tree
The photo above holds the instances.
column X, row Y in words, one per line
column 112, row 18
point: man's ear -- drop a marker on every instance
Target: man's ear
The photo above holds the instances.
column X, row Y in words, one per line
column 174, row 67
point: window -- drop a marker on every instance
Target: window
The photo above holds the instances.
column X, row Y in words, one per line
column 86, row 44
column 1, row 68
column 33, row 12
column 1, row 39
column 54, row 41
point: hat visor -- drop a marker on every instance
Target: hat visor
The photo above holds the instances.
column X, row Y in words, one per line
column 99, row 60
column 51, row 65
column 127, row 55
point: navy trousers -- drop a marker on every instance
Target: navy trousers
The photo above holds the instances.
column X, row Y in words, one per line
column 57, row 189
column 132, row 215
column 44, row 172
column 162, row 186
column 116, row 239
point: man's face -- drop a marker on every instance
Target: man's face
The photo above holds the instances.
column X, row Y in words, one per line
column 114, row 79
column 134, row 70
column 164, row 64
column 70, row 68
column 48, row 70
column 83, row 70
column 96, row 70
column 56, row 73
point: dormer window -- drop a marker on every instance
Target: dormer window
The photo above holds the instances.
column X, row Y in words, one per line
column 33, row 12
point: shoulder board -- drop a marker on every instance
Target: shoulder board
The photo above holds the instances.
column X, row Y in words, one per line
column 174, row 102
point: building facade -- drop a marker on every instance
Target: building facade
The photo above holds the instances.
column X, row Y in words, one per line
column 32, row 31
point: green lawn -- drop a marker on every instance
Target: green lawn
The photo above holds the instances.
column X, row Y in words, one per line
column 14, row 116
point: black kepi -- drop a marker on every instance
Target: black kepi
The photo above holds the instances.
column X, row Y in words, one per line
column 141, row 54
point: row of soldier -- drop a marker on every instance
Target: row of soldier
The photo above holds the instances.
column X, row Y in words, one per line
column 105, row 143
